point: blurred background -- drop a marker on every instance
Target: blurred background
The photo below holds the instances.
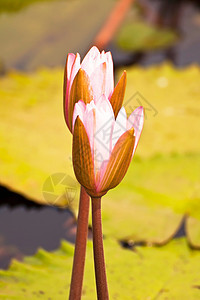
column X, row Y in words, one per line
column 158, row 42
column 37, row 33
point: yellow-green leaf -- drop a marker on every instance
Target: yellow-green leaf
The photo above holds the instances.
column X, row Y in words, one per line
column 163, row 181
column 193, row 231
column 163, row 271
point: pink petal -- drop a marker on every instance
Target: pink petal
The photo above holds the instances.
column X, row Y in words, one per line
column 89, row 123
column 104, row 105
column 98, row 81
column 118, row 164
column 103, row 132
column 109, row 75
column 136, row 120
column 75, row 67
column 91, row 60
column 102, row 78
column 119, row 126
column 102, row 56
column 79, row 110
column 99, row 68
column 70, row 61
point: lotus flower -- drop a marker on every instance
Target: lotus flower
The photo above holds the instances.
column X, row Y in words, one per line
column 102, row 145
column 90, row 80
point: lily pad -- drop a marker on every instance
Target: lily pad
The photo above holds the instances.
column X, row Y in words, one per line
column 35, row 142
column 139, row 36
column 193, row 231
column 162, row 183
column 153, row 198
column 13, row 5
column 171, row 98
column 145, row 273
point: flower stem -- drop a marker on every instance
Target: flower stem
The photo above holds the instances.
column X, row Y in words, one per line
column 100, row 270
column 80, row 247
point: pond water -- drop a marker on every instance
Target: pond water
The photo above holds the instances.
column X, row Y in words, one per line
column 26, row 225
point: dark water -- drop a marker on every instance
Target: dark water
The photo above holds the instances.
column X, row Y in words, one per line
column 25, row 226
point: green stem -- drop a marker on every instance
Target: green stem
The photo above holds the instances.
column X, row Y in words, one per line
column 80, row 247
column 100, row 269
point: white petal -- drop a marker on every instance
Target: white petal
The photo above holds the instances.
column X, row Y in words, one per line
column 119, row 126
column 109, row 87
column 89, row 123
column 104, row 125
column 136, row 120
column 70, row 61
column 79, row 110
column 91, row 60
column 75, row 67
column 98, row 81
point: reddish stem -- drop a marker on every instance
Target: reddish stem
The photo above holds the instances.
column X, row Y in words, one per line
column 112, row 24
column 100, row 269
column 80, row 247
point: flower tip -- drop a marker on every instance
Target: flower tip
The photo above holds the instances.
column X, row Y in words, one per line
column 139, row 111
column 80, row 71
column 131, row 131
column 94, row 49
column 142, row 109
column 124, row 76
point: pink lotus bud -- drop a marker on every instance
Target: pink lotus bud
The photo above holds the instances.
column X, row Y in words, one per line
column 90, row 80
column 102, row 145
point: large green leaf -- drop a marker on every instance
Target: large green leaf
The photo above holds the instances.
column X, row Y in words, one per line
column 152, row 199
column 15, row 5
column 193, row 231
column 156, row 192
column 35, row 141
column 170, row 272
column 138, row 36
column 171, row 98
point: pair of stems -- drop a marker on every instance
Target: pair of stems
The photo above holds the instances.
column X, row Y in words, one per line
column 80, row 248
